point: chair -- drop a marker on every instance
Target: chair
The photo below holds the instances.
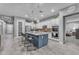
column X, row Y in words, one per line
column 30, row 47
column 27, row 42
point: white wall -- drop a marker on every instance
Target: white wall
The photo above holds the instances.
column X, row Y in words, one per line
column 9, row 28
column 72, row 24
column 27, row 24
column 31, row 25
column 49, row 23
column 3, row 34
column 4, row 26
column 16, row 20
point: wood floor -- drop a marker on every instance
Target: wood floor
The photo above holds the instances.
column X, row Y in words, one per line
column 12, row 47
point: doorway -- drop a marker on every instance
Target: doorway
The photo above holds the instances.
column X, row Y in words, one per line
column 9, row 28
column 72, row 29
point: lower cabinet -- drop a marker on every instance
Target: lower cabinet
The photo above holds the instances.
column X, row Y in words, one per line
column 40, row 40
column 45, row 39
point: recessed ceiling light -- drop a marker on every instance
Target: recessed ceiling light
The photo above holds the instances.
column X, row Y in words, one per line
column 26, row 15
column 32, row 17
column 37, row 21
column 42, row 15
column 52, row 10
column 35, row 18
column 74, row 28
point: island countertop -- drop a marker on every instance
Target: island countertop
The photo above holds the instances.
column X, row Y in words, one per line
column 37, row 33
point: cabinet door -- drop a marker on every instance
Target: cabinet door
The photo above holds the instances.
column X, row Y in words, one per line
column 35, row 40
column 40, row 41
column 9, row 28
column 45, row 39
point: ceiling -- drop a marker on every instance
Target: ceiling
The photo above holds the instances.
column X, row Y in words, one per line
column 31, row 10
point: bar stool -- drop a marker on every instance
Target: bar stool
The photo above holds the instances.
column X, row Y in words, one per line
column 30, row 47
column 27, row 42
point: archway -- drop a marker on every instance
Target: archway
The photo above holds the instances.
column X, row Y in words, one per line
column 71, row 23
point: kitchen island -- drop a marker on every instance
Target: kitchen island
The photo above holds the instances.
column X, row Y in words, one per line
column 39, row 39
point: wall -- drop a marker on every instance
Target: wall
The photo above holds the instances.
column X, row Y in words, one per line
column 16, row 20
column 70, row 9
column 49, row 23
column 28, row 26
column 64, row 12
column 72, row 21
column 71, row 27
column 9, row 28
column 3, row 34
column 72, row 24
column 4, row 26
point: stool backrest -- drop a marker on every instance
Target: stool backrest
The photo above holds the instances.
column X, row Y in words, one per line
column 23, row 34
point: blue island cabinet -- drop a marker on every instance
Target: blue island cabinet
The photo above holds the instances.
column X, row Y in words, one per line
column 40, row 40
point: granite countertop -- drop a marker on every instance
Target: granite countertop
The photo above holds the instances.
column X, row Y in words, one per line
column 37, row 33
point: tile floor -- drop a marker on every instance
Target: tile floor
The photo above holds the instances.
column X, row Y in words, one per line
column 12, row 47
